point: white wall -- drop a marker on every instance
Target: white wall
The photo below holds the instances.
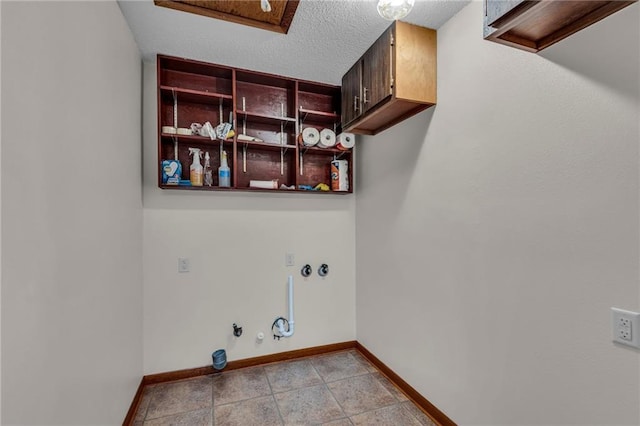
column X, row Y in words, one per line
column 0, row 216
column 495, row 231
column 236, row 244
column 71, row 214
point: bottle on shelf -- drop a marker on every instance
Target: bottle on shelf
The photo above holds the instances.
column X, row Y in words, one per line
column 195, row 171
column 208, row 173
column 224, row 174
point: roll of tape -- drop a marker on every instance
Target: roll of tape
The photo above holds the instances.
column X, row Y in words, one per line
column 327, row 138
column 184, row 131
column 345, row 141
column 169, row 130
column 309, row 136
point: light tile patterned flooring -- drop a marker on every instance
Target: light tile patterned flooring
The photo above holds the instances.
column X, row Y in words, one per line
column 339, row 389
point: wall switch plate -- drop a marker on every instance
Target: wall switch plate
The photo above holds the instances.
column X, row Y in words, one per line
column 183, row 264
column 626, row 327
column 289, row 259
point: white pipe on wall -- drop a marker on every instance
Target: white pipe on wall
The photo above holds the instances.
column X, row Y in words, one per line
column 280, row 323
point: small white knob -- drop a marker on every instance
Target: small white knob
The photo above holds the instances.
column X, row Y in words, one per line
column 260, row 336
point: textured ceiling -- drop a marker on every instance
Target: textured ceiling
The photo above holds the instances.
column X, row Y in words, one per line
column 325, row 38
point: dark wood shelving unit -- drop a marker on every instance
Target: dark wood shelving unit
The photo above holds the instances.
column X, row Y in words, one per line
column 271, row 108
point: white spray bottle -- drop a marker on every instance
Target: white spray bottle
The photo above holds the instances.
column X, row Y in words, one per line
column 196, row 171
column 208, row 173
column 224, row 174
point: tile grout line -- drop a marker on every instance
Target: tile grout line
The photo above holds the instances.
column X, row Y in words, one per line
column 331, row 393
column 273, row 396
column 213, row 402
column 146, row 410
column 397, row 401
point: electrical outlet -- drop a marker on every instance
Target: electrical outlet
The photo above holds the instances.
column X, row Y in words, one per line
column 183, row 264
column 289, row 259
column 626, row 326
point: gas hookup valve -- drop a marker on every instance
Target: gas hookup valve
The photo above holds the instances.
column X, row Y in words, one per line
column 237, row 331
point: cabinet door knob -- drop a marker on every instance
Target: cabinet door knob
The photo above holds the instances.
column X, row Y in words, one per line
column 364, row 95
column 355, row 104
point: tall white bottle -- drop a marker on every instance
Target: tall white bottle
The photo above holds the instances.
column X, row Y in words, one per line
column 208, row 173
column 224, row 174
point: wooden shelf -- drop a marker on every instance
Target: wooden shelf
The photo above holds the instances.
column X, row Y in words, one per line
column 197, row 188
column 233, row 189
column 264, row 118
column 194, row 138
column 320, row 150
column 264, row 145
column 196, row 96
column 319, row 114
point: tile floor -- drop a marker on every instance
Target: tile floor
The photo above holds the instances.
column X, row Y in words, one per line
column 337, row 389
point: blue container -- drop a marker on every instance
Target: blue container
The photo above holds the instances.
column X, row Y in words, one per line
column 219, row 359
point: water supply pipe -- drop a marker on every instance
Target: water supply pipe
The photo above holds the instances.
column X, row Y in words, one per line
column 280, row 322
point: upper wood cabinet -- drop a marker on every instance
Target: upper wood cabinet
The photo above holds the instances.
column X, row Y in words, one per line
column 533, row 25
column 393, row 80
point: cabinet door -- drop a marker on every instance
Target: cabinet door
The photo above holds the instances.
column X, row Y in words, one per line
column 377, row 70
column 351, row 95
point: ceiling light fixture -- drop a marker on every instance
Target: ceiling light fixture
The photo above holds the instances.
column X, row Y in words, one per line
column 394, row 9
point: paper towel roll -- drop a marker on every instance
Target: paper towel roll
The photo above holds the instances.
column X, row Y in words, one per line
column 309, row 136
column 339, row 175
column 327, row 138
column 345, row 141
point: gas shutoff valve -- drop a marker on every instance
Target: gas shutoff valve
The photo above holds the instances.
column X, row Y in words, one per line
column 237, row 331
column 306, row 270
column 323, row 270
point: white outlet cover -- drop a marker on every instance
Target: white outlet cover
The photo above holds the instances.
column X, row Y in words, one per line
column 183, row 264
column 289, row 259
column 624, row 323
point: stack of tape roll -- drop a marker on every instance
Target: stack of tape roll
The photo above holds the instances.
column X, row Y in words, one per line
column 345, row 141
column 327, row 138
column 309, row 136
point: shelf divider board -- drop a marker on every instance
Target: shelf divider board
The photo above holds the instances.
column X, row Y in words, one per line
column 298, row 129
column 234, row 160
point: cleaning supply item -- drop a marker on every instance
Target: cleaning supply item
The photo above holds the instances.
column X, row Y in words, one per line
column 171, row 172
column 208, row 173
column 224, row 174
column 339, row 175
column 196, row 171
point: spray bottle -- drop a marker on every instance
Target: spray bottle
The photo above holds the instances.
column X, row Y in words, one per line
column 224, row 174
column 208, row 173
column 195, row 171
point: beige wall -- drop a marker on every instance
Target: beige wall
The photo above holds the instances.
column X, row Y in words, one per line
column 71, row 214
column 236, row 244
column 0, row 218
column 495, row 231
